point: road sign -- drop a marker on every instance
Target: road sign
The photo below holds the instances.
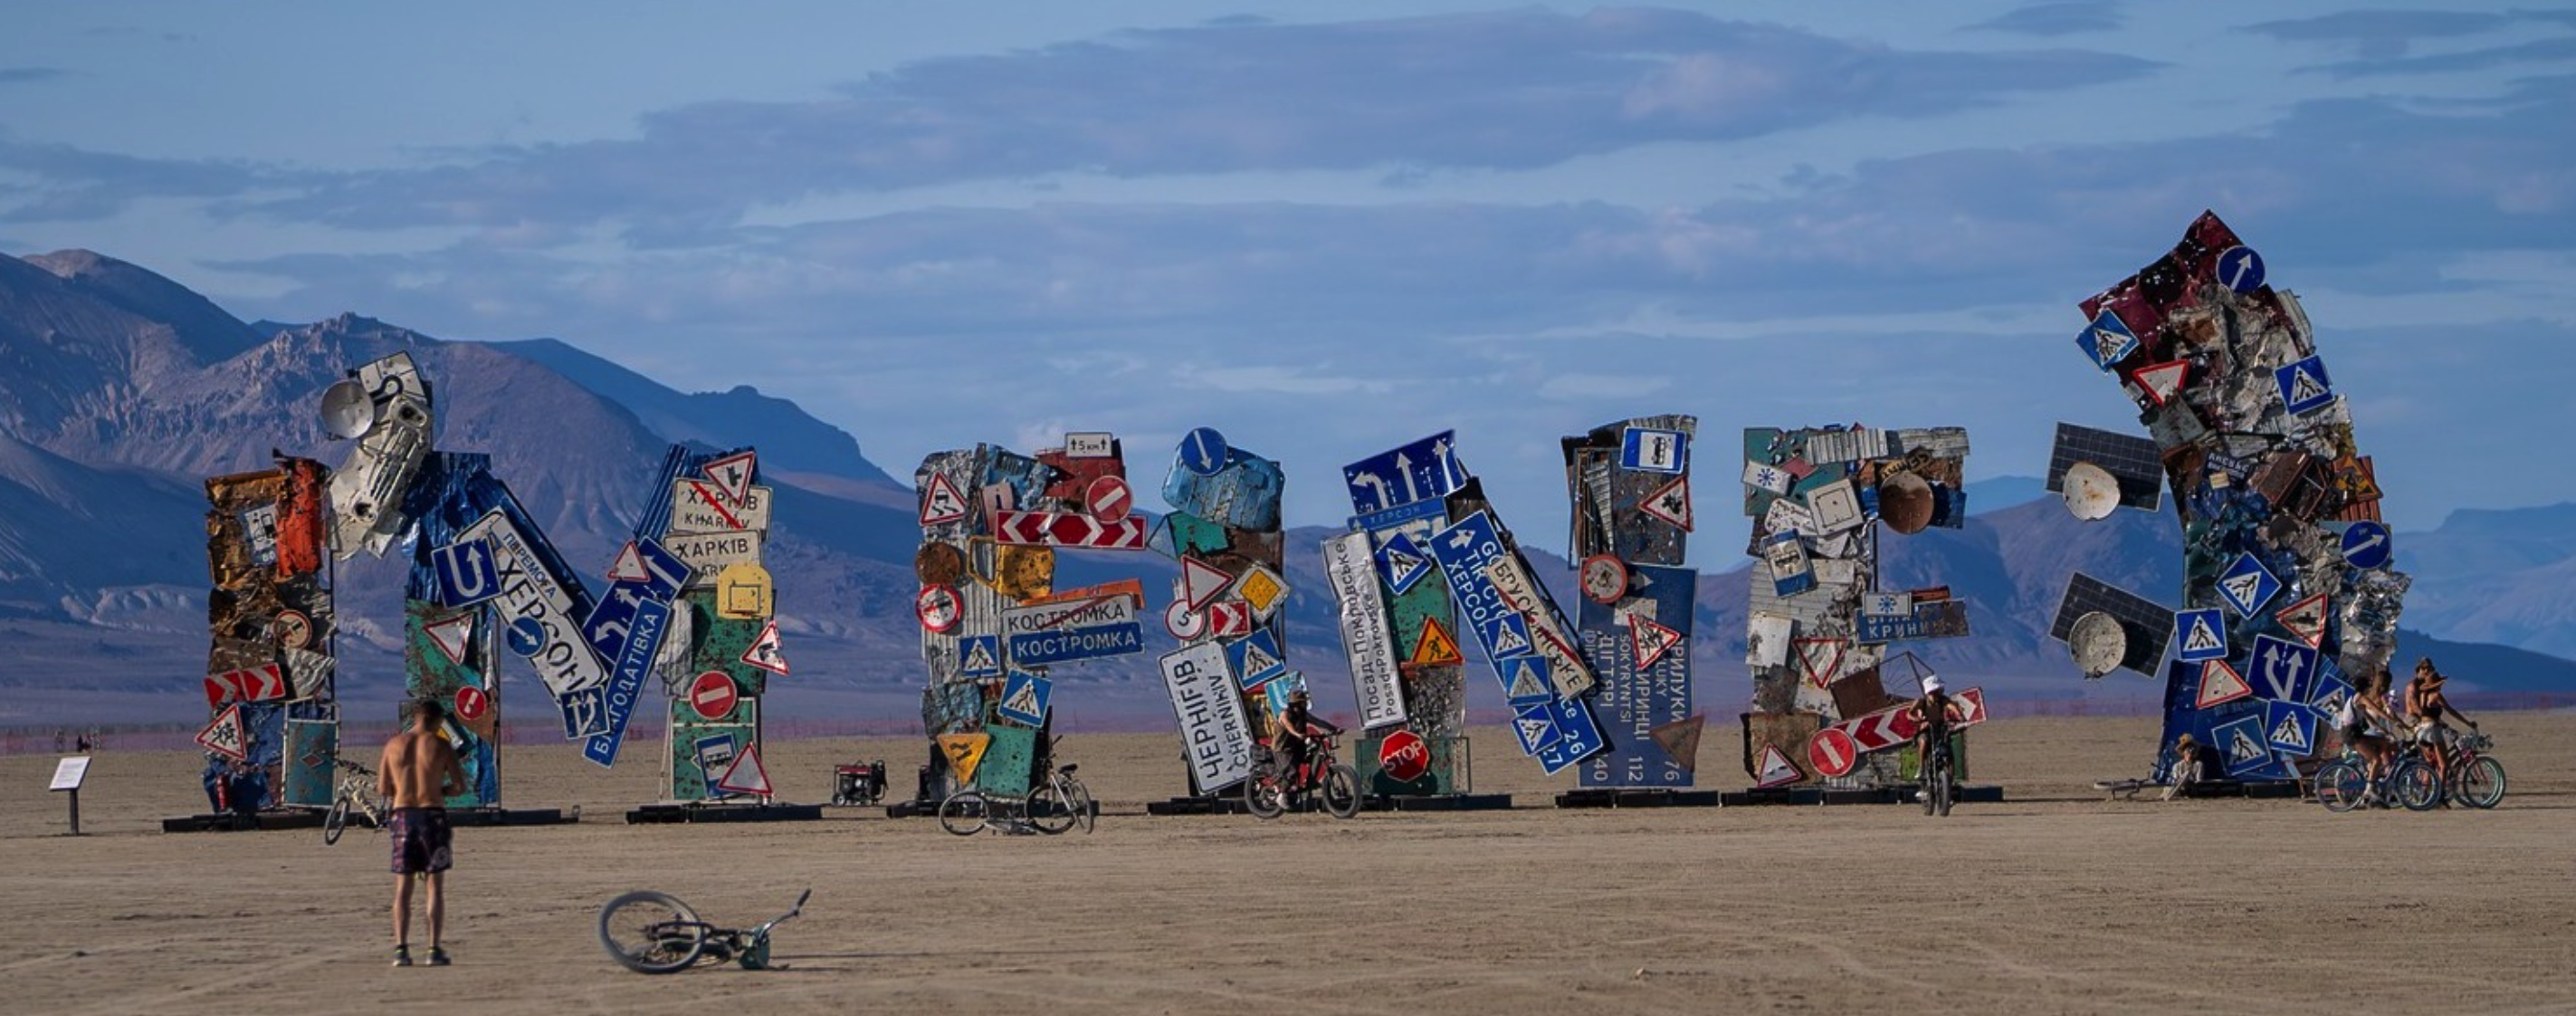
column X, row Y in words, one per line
column 1578, row 736
column 2162, row 381
column 472, row 704
column 1109, row 499
column 2220, row 683
column 1404, row 756
column 2107, row 340
column 1773, row 768
column 1791, row 573
column 533, row 586
column 1670, row 502
column 69, row 774
column 698, row 506
column 940, row 502
column 601, row 713
column 2242, row 744
column 1090, row 444
column 1820, row 661
column 2306, row 620
column 465, row 573
column 2200, row 635
column 1201, row 582
column 1525, row 680
column 1650, row 640
column 764, row 652
column 1509, row 635
column 744, row 592
column 1228, row 618
column 1536, row 728
column 1064, row 631
column 1654, row 450
column 2303, row 385
column 452, row 635
column 1216, row 740
column 1765, row 476
column 526, row 637
column 1368, row 637
column 1680, row 740
column 2240, row 269
column 1402, row 563
column 979, row 656
column 1604, row 578
column 746, row 775
column 732, row 475
column 2247, row 585
column 2365, row 545
column 1424, row 470
column 707, row 554
column 629, row 566
column 2283, row 670
column 939, row 608
column 225, row 736
column 1436, row 648
column 1262, row 590
column 1184, row 624
column 1881, row 730
column 964, row 752
column 1972, row 708
column 1203, row 451
column 1069, row 529
column 1024, row 698
column 249, row 684
column 1831, row 751
column 1255, row 659
column 713, row 695
column 2290, row 727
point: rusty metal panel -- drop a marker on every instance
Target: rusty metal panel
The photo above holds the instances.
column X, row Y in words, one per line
column 1785, row 732
column 1243, row 495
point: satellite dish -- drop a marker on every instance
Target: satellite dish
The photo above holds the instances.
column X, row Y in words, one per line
column 2091, row 492
column 2098, row 643
column 1905, row 503
column 348, row 412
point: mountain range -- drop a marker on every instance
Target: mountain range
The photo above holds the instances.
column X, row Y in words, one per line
column 121, row 391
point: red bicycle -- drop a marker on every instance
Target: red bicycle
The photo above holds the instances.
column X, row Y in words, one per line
column 1268, row 793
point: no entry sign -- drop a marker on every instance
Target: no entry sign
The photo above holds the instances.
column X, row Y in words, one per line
column 714, row 695
column 472, row 703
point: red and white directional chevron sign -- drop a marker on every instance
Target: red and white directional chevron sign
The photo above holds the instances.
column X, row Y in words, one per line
column 255, row 684
column 1069, row 529
column 1879, row 731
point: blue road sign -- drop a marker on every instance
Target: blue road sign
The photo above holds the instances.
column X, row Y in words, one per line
column 2247, row 585
column 466, row 575
column 527, row 637
column 1024, row 698
column 2200, row 635
column 1400, row 516
column 1633, row 700
column 1424, row 470
column 979, row 656
column 1242, row 495
column 1525, row 680
column 613, row 616
column 1401, row 562
column 2304, row 385
column 1508, row 635
column 1064, row 645
column 2240, row 269
column 1654, row 450
column 1464, row 550
column 2107, row 340
column 1256, row 658
column 583, row 712
column 2329, row 698
column 1203, row 451
column 2242, row 744
column 2282, row 670
column 633, row 663
column 2290, row 727
column 1535, row 725
column 1577, row 736
column 2365, row 546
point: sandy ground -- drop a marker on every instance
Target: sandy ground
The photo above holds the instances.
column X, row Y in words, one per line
column 2056, row 901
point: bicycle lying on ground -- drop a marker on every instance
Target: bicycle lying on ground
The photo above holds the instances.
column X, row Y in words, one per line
column 1058, row 803
column 354, row 794
column 654, row 933
column 1268, row 793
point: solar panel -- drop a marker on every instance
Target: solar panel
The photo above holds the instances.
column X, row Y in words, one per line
column 2134, row 461
column 2149, row 626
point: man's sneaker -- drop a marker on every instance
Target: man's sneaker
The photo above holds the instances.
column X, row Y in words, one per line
column 402, row 956
column 437, row 956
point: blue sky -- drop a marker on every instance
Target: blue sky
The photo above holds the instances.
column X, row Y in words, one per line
column 1328, row 228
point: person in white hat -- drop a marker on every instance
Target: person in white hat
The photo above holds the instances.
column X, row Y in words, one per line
column 1933, row 715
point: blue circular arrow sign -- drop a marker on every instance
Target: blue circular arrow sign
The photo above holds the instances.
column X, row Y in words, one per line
column 2241, row 269
column 1203, row 451
column 2365, row 545
column 527, row 637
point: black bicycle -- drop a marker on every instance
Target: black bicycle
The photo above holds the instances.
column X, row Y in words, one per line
column 654, row 933
column 1940, row 778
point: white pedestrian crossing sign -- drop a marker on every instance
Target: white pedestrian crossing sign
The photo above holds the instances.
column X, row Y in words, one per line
column 2107, row 340
column 1537, row 730
column 2290, row 727
column 1025, row 698
column 2202, row 635
column 979, row 656
column 2247, row 585
column 1401, row 563
column 1509, row 636
column 2241, row 742
column 1256, row 659
column 2304, row 385
column 1525, row 680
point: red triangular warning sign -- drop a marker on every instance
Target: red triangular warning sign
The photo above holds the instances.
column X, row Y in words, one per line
column 1680, row 740
column 1820, row 661
column 732, row 476
column 1773, row 768
column 1671, row 504
column 2306, row 619
column 1650, row 640
column 451, row 635
column 1202, row 582
column 2220, row 683
column 224, row 736
column 2162, row 381
column 940, row 501
column 629, row 566
column 764, row 653
column 745, row 775
column 1435, row 648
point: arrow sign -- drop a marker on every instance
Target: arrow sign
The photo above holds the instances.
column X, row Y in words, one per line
column 466, row 575
column 1420, row 471
column 2283, row 669
column 1203, row 451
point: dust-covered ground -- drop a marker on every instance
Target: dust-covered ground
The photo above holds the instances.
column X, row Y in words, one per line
column 2056, row 901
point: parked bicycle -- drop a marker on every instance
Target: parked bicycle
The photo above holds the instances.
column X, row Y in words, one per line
column 1268, row 793
column 2345, row 784
column 2474, row 779
column 1057, row 803
column 654, row 933
column 355, row 794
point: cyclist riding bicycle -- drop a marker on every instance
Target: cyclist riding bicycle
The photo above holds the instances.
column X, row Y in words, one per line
column 2425, row 704
column 2365, row 723
column 1933, row 715
column 1297, row 729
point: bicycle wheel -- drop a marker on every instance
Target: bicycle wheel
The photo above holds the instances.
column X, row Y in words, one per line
column 1341, row 791
column 2480, row 783
column 2340, row 786
column 964, row 812
column 1262, row 795
column 1945, row 789
column 2416, row 785
column 1086, row 812
column 1049, row 810
column 651, row 933
column 335, row 820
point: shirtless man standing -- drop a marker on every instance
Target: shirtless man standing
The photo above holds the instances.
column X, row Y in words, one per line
column 418, row 771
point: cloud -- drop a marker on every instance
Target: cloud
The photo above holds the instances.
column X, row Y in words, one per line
column 2391, row 34
column 2070, row 17
column 2546, row 52
column 70, row 184
column 25, row 75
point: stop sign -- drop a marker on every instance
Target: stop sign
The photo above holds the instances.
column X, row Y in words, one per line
column 471, row 703
column 713, row 694
column 1404, row 756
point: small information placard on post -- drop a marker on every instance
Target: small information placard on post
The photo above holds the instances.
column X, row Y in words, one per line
column 68, row 775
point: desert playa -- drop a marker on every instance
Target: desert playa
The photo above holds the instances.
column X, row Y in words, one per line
column 2057, row 900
